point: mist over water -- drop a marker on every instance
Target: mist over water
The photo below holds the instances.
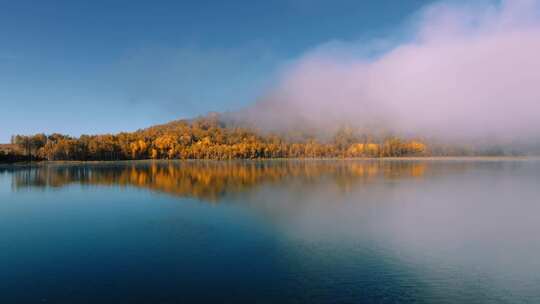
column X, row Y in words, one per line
column 284, row 231
column 466, row 72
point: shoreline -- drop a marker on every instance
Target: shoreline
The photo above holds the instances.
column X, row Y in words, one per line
column 416, row 158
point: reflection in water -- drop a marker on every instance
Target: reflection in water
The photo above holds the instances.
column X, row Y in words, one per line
column 212, row 180
column 348, row 231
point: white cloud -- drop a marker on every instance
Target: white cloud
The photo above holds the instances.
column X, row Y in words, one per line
column 468, row 71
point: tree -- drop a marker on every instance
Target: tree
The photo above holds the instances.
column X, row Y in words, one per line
column 212, row 138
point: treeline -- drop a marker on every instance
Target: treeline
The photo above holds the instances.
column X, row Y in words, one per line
column 10, row 154
column 209, row 138
column 11, row 157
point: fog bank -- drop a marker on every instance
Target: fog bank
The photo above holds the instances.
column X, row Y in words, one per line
column 465, row 72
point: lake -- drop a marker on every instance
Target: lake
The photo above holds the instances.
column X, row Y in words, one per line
column 314, row 231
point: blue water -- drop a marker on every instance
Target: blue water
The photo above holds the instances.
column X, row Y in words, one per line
column 454, row 231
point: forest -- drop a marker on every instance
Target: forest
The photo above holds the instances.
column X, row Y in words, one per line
column 210, row 137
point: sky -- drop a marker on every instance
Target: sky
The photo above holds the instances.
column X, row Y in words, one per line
column 88, row 67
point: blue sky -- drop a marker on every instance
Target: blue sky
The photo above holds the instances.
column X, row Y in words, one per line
column 86, row 67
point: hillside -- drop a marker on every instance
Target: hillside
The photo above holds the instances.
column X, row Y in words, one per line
column 213, row 137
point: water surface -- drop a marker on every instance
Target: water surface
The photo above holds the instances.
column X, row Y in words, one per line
column 402, row 231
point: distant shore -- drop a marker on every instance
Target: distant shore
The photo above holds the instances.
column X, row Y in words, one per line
column 416, row 158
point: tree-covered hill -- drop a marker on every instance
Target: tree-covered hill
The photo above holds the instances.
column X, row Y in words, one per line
column 213, row 137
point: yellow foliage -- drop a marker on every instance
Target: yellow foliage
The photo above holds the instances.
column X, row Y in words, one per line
column 208, row 138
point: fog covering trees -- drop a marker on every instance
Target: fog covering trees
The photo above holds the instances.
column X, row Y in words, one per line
column 461, row 72
column 211, row 137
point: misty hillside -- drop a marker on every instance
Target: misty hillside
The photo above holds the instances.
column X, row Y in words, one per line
column 219, row 137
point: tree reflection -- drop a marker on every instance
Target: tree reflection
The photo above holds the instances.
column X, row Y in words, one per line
column 212, row 180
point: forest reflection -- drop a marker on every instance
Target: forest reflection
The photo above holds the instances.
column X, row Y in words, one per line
column 212, row 180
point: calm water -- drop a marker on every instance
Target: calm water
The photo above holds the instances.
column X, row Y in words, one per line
column 454, row 231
